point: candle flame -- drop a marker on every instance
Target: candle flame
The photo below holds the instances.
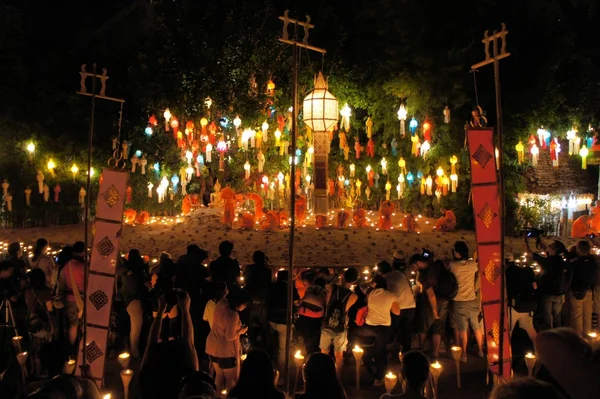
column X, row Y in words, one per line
column 530, row 355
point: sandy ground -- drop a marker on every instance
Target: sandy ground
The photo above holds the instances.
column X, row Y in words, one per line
column 325, row 247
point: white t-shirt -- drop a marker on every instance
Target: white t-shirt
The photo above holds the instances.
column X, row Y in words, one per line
column 379, row 303
column 397, row 282
column 465, row 271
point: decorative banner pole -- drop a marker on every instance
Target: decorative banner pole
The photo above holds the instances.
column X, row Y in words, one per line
column 491, row 257
column 83, row 91
column 306, row 26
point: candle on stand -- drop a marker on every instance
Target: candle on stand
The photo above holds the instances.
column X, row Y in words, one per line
column 594, row 340
column 298, row 360
column 124, row 360
column 456, row 353
column 530, row 360
column 126, row 376
column 358, row 353
column 22, row 359
column 17, row 340
column 69, row 366
column 435, row 370
column 390, row 381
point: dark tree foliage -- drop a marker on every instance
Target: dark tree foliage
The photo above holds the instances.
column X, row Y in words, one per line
column 163, row 53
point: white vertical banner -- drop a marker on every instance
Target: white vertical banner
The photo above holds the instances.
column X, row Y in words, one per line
column 101, row 278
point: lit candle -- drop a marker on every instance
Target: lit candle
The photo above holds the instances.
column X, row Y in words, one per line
column 390, row 381
column 456, row 353
column 358, row 353
column 124, row 360
column 530, row 360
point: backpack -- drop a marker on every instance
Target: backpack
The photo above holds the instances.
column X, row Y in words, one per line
column 335, row 317
column 559, row 278
column 447, row 286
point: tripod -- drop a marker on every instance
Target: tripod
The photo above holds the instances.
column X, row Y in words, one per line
column 9, row 318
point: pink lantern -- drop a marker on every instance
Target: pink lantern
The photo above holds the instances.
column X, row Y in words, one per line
column 221, row 147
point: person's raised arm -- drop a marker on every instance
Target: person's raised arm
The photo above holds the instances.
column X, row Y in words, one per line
column 154, row 333
column 187, row 331
column 351, row 301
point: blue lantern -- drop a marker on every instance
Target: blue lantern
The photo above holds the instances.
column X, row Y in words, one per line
column 175, row 181
column 413, row 125
column 200, row 159
column 590, row 141
column 419, row 175
column 410, row 178
column 156, row 167
column 298, row 152
column 224, row 122
column 138, row 153
column 148, row 131
column 346, row 182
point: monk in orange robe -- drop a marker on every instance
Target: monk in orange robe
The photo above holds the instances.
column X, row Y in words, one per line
column 581, row 228
column 360, row 217
column 320, row 221
column 247, row 221
column 130, row 215
column 446, row 222
column 300, row 209
column 385, row 218
column 142, row 218
column 342, row 219
column 258, row 205
column 284, row 218
column 228, row 197
column 271, row 221
column 189, row 202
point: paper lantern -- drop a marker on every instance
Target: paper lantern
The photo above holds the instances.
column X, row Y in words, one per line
column 454, row 181
column 174, row 123
column 277, row 137
column 429, row 184
column 383, row 166
column 237, row 122
column 148, row 131
column 51, row 166
column 410, row 179
column 427, row 131
column 554, row 151
column 425, row 148
column 209, row 149
column 270, row 88
column 74, row 170
column 352, row 170
column 388, row 189
column 150, row 186
column 320, row 107
column 574, row 141
column 584, row 153
column 439, row 172
column 520, row 152
column 345, row 112
column 453, row 161
column 446, row 114
column 402, row 118
column 415, row 145
column 31, row 148
column 265, row 126
column 535, row 151
column 167, row 115
column 247, row 170
column 203, row 122
column 189, row 156
column 413, row 125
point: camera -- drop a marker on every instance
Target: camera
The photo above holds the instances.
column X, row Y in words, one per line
column 532, row 232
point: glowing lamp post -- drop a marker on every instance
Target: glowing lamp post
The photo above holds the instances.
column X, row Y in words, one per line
column 320, row 114
column 402, row 113
column 221, row 147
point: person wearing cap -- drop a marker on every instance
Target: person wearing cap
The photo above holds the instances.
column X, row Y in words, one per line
column 555, row 281
column 398, row 261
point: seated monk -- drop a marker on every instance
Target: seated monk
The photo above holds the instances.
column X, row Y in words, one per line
column 129, row 215
column 284, row 218
column 320, row 221
column 271, row 221
column 385, row 218
column 409, row 223
column 360, row 217
column 247, row 221
column 189, row 202
column 446, row 222
column 342, row 219
column 300, row 209
column 581, row 228
column 142, row 218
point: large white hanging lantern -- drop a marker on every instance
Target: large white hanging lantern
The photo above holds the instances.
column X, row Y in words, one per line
column 320, row 107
